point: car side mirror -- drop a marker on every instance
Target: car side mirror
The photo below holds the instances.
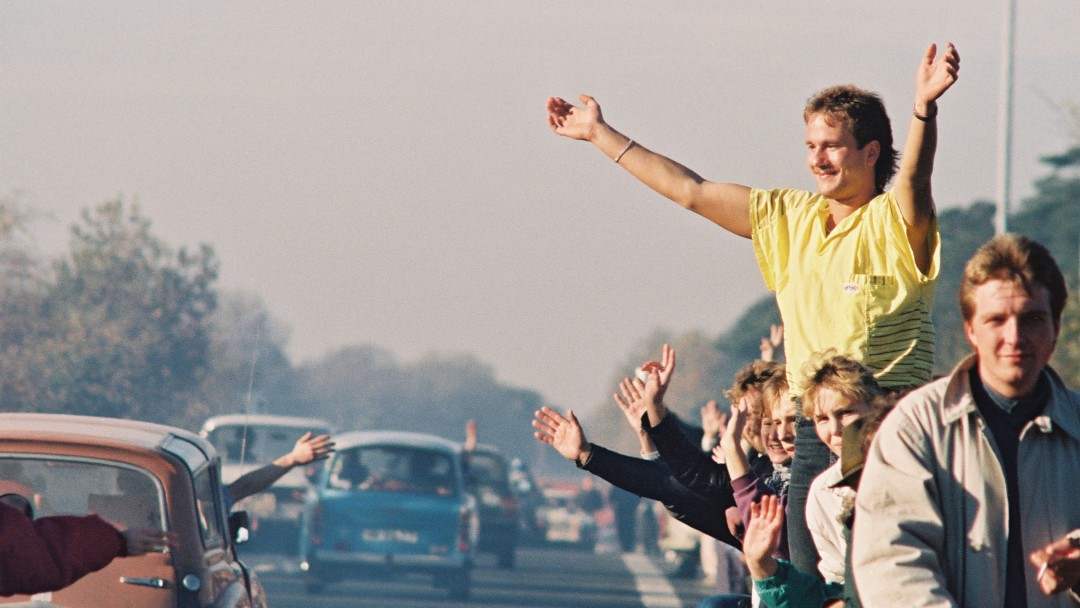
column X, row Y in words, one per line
column 239, row 526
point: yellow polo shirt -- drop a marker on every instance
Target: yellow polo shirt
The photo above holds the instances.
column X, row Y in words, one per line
column 856, row 290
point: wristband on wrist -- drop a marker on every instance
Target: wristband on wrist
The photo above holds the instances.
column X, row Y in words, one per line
column 619, row 156
column 931, row 113
column 579, row 463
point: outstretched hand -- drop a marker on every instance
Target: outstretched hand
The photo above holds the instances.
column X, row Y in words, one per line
column 470, row 435
column 936, row 75
column 631, row 402
column 736, row 424
column 562, row 433
column 142, row 541
column 713, row 419
column 309, row 449
column 572, row 121
column 651, row 392
column 762, row 536
column 769, row 345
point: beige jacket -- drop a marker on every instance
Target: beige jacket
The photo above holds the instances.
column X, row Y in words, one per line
column 931, row 513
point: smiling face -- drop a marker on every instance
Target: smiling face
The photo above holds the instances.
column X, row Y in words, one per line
column 832, row 412
column 843, row 171
column 1013, row 333
column 778, row 431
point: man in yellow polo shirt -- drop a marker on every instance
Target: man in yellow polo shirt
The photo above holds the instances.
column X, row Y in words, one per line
column 853, row 266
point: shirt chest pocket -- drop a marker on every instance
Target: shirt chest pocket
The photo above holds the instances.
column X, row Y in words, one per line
column 875, row 295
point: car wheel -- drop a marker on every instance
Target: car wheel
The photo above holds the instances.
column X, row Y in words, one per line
column 460, row 584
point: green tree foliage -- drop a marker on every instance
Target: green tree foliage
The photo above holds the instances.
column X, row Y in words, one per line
column 23, row 282
column 962, row 230
column 127, row 321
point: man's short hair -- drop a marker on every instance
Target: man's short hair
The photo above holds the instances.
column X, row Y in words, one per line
column 849, row 378
column 1016, row 259
column 864, row 113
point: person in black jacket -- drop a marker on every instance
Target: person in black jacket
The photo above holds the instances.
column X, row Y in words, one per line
column 647, row 476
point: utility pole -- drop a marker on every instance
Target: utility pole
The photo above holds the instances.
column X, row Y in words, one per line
column 1004, row 172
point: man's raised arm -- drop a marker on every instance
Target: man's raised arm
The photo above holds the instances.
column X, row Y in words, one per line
column 912, row 187
column 727, row 205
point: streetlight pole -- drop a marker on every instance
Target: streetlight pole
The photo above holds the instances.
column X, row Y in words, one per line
column 1004, row 172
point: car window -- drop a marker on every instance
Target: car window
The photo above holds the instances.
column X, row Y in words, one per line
column 488, row 471
column 208, row 509
column 59, row 486
column 393, row 469
column 259, row 445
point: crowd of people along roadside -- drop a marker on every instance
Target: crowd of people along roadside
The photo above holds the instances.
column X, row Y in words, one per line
column 847, row 475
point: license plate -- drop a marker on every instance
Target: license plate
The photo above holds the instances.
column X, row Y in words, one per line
column 391, row 536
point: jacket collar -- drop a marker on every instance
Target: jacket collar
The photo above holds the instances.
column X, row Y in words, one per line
column 1063, row 410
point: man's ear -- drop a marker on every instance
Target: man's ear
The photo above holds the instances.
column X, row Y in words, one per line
column 873, row 151
column 969, row 334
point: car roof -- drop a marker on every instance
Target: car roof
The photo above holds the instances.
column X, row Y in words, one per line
column 263, row 420
column 354, row 439
column 118, row 432
column 488, row 449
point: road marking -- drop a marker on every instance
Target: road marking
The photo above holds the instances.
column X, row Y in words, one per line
column 652, row 585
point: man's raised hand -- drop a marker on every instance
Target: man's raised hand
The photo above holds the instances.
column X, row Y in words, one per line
column 935, row 75
column 562, row 433
column 572, row 121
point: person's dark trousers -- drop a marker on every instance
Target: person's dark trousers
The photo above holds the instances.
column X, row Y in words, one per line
column 811, row 458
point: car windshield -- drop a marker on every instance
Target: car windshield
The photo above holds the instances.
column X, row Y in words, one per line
column 123, row 495
column 393, row 469
column 260, row 444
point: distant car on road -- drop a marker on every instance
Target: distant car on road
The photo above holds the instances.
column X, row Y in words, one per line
column 390, row 503
column 141, row 475
column 564, row 522
column 249, row 441
column 529, row 499
column 488, row 477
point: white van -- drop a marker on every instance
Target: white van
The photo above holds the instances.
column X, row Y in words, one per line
column 249, row 441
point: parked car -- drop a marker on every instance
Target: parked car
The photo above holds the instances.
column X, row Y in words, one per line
column 488, row 476
column 564, row 522
column 390, row 503
column 249, row 441
column 135, row 474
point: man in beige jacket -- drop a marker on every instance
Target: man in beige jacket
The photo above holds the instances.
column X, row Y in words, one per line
column 968, row 496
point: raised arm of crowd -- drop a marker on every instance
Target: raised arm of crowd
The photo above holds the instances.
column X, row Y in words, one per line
column 884, row 487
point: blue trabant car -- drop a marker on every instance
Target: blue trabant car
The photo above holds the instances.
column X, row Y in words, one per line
column 390, row 503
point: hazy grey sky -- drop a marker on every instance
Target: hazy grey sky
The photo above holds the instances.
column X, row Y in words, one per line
column 382, row 172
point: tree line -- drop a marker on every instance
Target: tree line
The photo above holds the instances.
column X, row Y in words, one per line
column 124, row 325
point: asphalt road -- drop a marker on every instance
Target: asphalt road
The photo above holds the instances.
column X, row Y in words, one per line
column 547, row 577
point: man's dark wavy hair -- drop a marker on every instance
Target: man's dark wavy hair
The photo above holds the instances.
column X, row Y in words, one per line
column 864, row 113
